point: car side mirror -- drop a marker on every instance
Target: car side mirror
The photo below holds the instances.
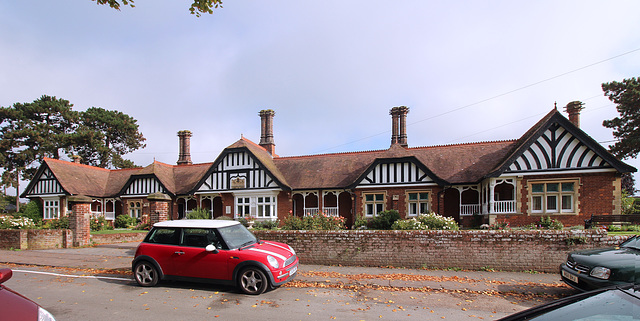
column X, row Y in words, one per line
column 211, row 248
column 5, row 274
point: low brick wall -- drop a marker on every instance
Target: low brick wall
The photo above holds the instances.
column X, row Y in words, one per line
column 35, row 239
column 501, row 250
column 117, row 238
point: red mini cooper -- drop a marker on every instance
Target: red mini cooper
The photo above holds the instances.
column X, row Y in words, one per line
column 218, row 251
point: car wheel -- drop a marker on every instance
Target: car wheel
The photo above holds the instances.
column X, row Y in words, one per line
column 253, row 281
column 146, row 274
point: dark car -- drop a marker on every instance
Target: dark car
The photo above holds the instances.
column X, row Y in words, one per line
column 613, row 303
column 14, row 306
column 597, row 268
column 219, row 251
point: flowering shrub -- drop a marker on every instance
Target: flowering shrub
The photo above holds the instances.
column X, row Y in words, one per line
column 546, row 223
column 430, row 221
column 55, row 224
column 314, row 222
column 124, row 221
column 99, row 224
column 9, row 222
column 499, row 225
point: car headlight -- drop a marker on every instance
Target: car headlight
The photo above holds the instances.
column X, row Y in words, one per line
column 273, row 262
column 292, row 250
column 600, row 272
column 44, row 315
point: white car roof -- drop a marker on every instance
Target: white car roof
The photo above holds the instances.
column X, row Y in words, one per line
column 197, row 223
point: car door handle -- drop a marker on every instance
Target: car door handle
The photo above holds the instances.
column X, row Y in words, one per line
column 179, row 252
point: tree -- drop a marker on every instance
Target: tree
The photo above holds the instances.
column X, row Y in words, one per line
column 48, row 127
column 104, row 136
column 197, row 7
column 626, row 128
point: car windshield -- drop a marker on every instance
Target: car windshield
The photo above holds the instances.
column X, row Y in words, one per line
column 237, row 236
column 609, row 305
column 633, row 243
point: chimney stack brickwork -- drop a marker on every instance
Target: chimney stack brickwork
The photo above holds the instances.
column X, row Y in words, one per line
column 266, row 130
column 573, row 109
column 399, row 125
column 184, row 156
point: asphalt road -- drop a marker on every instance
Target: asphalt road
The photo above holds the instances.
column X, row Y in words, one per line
column 70, row 296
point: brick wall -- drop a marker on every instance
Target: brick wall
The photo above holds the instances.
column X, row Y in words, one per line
column 502, row 250
column 35, row 239
column 117, row 238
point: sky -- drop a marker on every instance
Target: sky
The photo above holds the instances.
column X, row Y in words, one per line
column 469, row 71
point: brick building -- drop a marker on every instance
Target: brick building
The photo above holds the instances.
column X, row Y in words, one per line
column 555, row 169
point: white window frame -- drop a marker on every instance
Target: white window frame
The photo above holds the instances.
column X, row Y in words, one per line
column 372, row 207
column 135, row 209
column 255, row 204
column 414, row 206
column 546, row 198
column 51, row 208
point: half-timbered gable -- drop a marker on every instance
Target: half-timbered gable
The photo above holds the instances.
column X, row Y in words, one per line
column 403, row 171
column 237, row 170
column 143, row 186
column 45, row 184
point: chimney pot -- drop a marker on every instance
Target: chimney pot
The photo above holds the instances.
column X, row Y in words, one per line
column 573, row 109
column 266, row 130
column 399, row 125
column 184, row 156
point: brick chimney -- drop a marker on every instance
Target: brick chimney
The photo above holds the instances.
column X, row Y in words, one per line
column 266, row 130
column 399, row 125
column 573, row 109
column 184, row 156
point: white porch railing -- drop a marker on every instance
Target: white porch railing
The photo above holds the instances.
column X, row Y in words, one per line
column 110, row 215
column 504, row 207
column 331, row 211
column 310, row 211
column 469, row 209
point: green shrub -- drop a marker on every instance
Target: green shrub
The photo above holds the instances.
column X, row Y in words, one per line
column 32, row 210
column 99, row 224
column 124, row 221
column 547, row 222
column 293, row 223
column 56, row 224
column 314, row 222
column 142, row 226
column 9, row 222
column 430, row 221
column 199, row 214
column 360, row 223
column 384, row 220
column 266, row 225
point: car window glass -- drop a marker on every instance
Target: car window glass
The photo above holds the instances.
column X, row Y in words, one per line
column 164, row 236
column 609, row 305
column 236, row 236
column 633, row 242
column 200, row 237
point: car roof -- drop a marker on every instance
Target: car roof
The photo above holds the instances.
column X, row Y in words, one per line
column 197, row 223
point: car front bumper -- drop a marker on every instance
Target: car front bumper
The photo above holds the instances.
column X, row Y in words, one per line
column 582, row 281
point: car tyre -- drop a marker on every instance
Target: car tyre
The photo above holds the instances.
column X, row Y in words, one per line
column 253, row 281
column 146, row 274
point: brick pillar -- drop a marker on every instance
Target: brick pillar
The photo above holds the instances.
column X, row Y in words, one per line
column 158, row 207
column 79, row 219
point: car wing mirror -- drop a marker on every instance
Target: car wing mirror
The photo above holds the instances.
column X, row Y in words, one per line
column 5, row 274
column 211, row 248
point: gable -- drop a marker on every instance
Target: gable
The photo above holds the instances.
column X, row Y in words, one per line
column 143, row 186
column 237, row 169
column 395, row 172
column 557, row 148
column 45, row 184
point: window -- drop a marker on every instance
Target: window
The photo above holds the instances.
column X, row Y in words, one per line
column 373, row 204
column 51, row 209
column 418, row 203
column 553, row 197
column 170, row 235
column 243, row 206
column 266, row 207
column 135, row 209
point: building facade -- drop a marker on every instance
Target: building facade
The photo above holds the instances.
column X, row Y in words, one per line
column 555, row 169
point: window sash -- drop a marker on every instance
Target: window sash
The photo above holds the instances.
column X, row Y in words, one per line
column 553, row 197
column 374, row 204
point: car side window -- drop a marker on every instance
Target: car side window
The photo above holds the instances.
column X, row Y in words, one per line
column 200, row 237
column 169, row 236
